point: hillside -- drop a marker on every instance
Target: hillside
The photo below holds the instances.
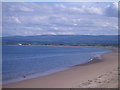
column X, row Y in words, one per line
column 62, row 40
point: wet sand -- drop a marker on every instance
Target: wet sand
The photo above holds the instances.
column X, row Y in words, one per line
column 102, row 74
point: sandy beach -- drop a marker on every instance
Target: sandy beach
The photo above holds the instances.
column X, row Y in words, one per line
column 102, row 74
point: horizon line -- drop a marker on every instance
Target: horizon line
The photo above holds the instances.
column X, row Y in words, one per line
column 58, row 35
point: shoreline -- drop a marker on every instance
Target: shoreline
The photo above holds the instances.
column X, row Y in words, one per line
column 93, row 60
column 114, row 49
column 56, row 75
column 66, row 46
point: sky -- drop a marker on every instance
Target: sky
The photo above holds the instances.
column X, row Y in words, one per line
column 59, row 18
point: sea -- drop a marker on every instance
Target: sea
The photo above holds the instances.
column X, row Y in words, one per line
column 26, row 62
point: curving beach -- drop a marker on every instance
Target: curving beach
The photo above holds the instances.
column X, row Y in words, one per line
column 102, row 74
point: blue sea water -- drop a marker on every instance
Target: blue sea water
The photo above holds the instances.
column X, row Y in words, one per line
column 25, row 62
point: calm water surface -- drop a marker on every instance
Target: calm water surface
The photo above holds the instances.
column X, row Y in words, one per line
column 25, row 62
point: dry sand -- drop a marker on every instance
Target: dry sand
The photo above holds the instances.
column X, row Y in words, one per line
column 103, row 74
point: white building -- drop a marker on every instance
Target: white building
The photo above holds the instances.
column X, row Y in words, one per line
column 19, row 44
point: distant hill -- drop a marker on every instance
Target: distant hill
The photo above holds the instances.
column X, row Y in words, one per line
column 105, row 40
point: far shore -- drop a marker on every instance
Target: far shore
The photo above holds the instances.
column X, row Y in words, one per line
column 102, row 74
column 67, row 46
column 107, row 47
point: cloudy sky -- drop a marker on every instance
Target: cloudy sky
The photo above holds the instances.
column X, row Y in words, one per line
column 37, row 18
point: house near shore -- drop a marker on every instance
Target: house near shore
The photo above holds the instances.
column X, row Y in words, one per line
column 19, row 44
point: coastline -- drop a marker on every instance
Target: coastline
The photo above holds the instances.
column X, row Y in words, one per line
column 93, row 60
column 74, row 76
column 115, row 49
column 65, row 46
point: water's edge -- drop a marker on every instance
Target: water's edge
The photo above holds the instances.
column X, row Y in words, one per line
column 25, row 77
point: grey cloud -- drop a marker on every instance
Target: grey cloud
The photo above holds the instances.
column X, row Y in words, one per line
column 112, row 10
column 60, row 18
